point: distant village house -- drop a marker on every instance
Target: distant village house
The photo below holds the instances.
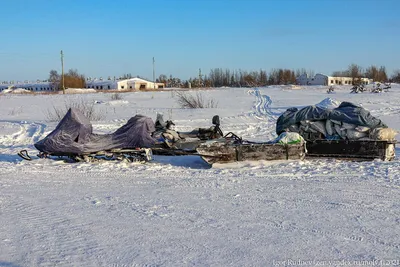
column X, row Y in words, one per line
column 127, row 84
column 321, row 79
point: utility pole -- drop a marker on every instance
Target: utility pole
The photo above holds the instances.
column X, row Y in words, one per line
column 154, row 75
column 62, row 71
column 200, row 75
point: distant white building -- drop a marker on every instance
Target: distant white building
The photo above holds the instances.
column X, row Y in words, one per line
column 138, row 84
column 321, row 79
column 102, row 85
column 34, row 87
column 128, row 84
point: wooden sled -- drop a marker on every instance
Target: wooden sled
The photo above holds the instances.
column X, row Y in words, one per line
column 225, row 152
column 352, row 149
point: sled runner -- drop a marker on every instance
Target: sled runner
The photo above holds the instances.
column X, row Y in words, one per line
column 129, row 155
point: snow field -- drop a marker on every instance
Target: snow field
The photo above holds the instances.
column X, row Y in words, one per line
column 178, row 211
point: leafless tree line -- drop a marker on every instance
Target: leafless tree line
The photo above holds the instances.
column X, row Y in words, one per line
column 219, row 77
column 372, row 72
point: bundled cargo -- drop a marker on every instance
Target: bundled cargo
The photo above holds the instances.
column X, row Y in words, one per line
column 344, row 125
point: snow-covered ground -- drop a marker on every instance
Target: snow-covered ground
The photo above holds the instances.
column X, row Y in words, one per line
column 178, row 211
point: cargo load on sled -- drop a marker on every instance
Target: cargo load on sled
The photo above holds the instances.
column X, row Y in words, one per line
column 341, row 130
column 330, row 129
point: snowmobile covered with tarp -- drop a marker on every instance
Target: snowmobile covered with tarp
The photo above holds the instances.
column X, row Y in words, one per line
column 74, row 138
column 345, row 130
column 137, row 140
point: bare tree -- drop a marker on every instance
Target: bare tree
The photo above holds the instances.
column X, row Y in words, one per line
column 382, row 76
column 341, row 73
column 372, row 72
column 396, row 76
column 54, row 79
column 263, row 79
column 162, row 79
column 300, row 72
column 72, row 79
column 355, row 72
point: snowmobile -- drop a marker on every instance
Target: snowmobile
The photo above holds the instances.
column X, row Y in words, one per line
column 171, row 142
column 73, row 139
column 215, row 147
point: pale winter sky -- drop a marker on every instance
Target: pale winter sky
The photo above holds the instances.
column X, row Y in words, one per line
column 111, row 38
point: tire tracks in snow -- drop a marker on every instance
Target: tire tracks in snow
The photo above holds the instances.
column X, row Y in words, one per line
column 292, row 228
column 257, row 124
column 28, row 133
column 339, row 205
column 265, row 117
column 24, row 135
column 360, row 238
column 56, row 238
column 262, row 105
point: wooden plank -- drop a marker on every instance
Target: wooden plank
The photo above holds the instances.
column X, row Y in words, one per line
column 217, row 152
column 226, row 152
column 352, row 149
column 261, row 152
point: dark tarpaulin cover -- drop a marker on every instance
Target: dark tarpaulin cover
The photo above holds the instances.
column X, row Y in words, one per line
column 345, row 112
column 293, row 116
column 74, row 135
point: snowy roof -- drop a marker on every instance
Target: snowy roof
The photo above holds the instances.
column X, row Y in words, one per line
column 136, row 79
column 98, row 82
column 22, row 85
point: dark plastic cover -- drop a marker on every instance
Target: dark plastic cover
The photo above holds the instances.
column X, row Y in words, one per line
column 345, row 112
column 74, row 135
